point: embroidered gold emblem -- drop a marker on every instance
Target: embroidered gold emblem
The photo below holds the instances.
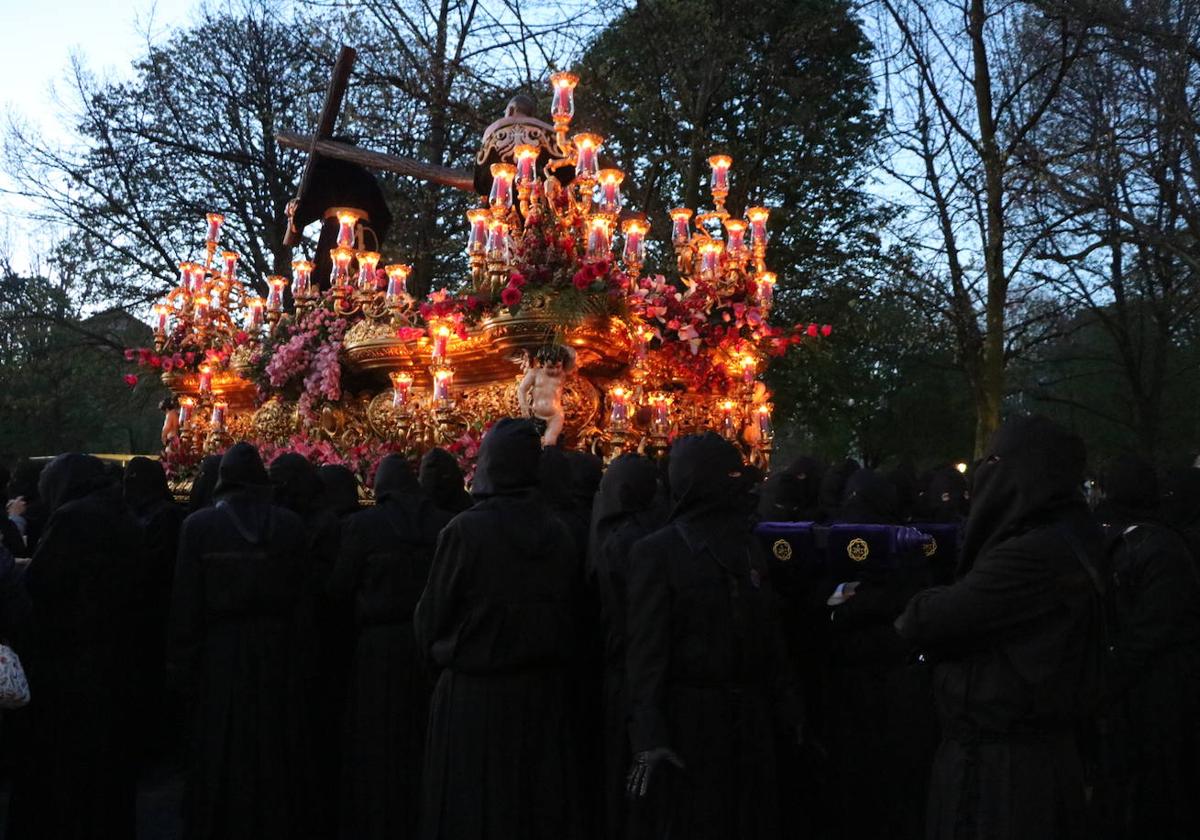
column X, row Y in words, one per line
column 858, row 549
column 782, row 550
column 930, row 548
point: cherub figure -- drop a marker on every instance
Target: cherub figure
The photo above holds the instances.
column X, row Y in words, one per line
column 540, row 392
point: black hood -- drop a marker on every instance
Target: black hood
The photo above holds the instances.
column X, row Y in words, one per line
column 1130, row 492
column 241, row 470
column 706, row 477
column 1031, row 474
column 946, row 497
column 296, row 484
column 833, row 485
column 904, row 479
column 204, row 483
column 339, row 493
column 586, row 472
column 442, row 480
column 509, row 459
column 394, row 477
column 145, row 484
column 1181, row 498
column 869, row 498
column 790, row 494
column 627, row 487
column 68, row 477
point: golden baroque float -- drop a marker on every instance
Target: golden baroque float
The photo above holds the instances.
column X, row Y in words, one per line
column 557, row 320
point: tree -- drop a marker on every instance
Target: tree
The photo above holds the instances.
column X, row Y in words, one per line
column 968, row 82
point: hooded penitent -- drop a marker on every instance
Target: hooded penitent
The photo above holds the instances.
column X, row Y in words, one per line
column 84, row 582
column 946, row 497
column 833, row 486
column 498, row 619
column 869, row 498
column 790, row 494
column 707, row 675
column 145, row 485
column 384, row 562
column 1181, row 506
column 340, row 494
column 204, row 483
column 442, row 480
column 297, row 485
column 1015, row 644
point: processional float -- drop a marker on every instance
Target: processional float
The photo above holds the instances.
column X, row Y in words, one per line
column 558, row 319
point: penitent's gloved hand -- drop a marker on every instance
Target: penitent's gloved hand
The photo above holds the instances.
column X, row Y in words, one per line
column 644, row 765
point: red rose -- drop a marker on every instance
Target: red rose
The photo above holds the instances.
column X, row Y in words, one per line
column 826, row 330
column 812, row 330
column 510, row 296
column 131, row 379
column 516, row 279
column 129, row 354
column 167, row 364
column 581, row 279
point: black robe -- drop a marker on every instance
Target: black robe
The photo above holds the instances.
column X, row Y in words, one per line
column 707, row 673
column 498, row 618
column 384, row 563
column 623, row 516
column 236, row 649
column 75, row 773
column 442, row 481
column 1015, row 644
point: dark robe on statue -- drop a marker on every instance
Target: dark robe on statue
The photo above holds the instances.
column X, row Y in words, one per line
column 385, row 559
column 498, row 618
column 74, row 777
column 442, row 481
column 236, row 649
column 1015, row 645
column 150, row 502
column 707, row 673
column 1154, row 671
column 623, row 515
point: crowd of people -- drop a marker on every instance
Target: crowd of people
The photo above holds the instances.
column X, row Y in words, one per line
column 574, row 650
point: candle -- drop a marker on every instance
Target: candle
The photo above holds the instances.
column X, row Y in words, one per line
column 441, row 341
column 230, row 259
column 205, row 386
column 443, row 378
column 681, row 229
column 301, row 277
column 254, row 313
column 185, row 276
column 620, row 408
column 161, row 313
column 635, row 240
column 497, row 241
column 610, row 190
column 766, row 288
column 526, row 157
column 187, row 407
column 562, row 106
column 660, row 416
column 218, row 415
column 758, row 228
column 749, row 367
column 401, row 383
column 728, row 423
column 215, row 221
column 478, row 221
column 346, row 223
column 275, row 296
column 765, row 432
column 599, row 239
column 341, row 265
column 200, row 311
column 720, row 174
column 735, row 238
column 367, row 260
column 198, row 277
column 587, row 156
column 710, row 255
column 643, row 336
column 397, row 284
column 501, row 197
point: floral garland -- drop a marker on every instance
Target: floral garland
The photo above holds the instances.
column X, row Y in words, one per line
column 302, row 356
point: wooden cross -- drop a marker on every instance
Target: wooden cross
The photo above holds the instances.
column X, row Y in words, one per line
column 319, row 145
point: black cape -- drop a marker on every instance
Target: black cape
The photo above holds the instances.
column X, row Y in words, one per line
column 498, row 619
column 385, row 559
column 236, row 649
column 76, row 767
column 1015, row 645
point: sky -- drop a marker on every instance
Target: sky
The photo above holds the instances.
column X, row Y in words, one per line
column 41, row 37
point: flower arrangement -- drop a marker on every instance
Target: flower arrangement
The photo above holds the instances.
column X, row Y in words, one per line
column 301, row 358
